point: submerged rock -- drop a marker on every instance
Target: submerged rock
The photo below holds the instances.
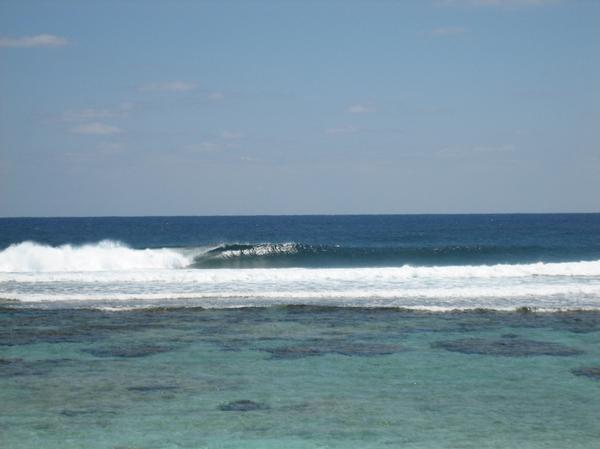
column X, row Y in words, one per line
column 510, row 336
column 293, row 352
column 243, row 405
column 363, row 349
column 341, row 347
column 126, row 352
column 20, row 367
column 72, row 413
column 152, row 388
column 593, row 372
column 509, row 347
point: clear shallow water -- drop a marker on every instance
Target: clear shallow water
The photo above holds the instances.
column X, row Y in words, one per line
column 298, row 377
column 300, row 332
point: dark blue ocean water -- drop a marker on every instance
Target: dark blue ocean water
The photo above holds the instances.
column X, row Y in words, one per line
column 361, row 240
column 418, row 261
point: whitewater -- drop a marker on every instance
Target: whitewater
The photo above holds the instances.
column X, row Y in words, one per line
column 109, row 274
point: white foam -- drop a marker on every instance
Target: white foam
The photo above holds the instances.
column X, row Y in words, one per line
column 102, row 256
column 110, row 273
column 122, row 264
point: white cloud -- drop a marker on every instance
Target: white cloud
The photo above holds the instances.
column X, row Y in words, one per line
column 360, row 109
column 448, row 31
column 95, row 128
column 498, row 3
column 169, row 86
column 40, row 40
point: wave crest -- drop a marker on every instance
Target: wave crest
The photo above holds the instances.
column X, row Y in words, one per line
column 106, row 255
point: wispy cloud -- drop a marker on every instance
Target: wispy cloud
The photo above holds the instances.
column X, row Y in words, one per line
column 448, row 31
column 508, row 148
column 108, row 148
column 97, row 128
column 39, row 40
column 216, row 96
column 226, row 140
column 497, row 3
column 346, row 129
column 85, row 115
column 168, row 86
column 206, row 146
column 460, row 152
column 361, row 108
column 231, row 135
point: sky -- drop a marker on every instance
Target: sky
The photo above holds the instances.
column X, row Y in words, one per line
column 299, row 107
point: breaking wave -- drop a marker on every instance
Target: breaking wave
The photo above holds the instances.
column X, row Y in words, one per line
column 251, row 275
column 113, row 256
column 106, row 255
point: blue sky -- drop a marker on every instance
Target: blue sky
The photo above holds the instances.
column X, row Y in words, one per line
column 283, row 107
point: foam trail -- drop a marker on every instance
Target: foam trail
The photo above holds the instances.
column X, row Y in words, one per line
column 132, row 268
column 106, row 255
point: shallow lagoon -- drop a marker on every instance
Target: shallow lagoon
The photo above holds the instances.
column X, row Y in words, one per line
column 298, row 377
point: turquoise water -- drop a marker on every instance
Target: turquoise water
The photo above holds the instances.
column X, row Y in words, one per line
column 425, row 331
column 298, row 377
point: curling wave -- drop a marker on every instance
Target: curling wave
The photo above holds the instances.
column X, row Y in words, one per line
column 288, row 255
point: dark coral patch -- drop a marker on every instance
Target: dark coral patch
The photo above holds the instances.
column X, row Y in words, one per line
column 508, row 347
column 293, row 352
column 243, row 405
column 72, row 413
column 127, row 351
column 510, row 336
column 20, row 367
column 341, row 347
column 152, row 388
column 593, row 372
column 363, row 349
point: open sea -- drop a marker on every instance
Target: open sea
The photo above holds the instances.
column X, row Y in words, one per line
column 380, row 331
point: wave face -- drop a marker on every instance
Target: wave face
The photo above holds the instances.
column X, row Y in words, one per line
column 286, row 255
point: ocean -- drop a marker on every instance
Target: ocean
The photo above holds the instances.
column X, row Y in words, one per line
column 412, row 331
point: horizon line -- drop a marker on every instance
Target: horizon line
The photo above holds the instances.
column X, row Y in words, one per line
column 299, row 215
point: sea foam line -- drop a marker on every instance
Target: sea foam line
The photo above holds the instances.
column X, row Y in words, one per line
column 154, row 272
column 443, row 294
